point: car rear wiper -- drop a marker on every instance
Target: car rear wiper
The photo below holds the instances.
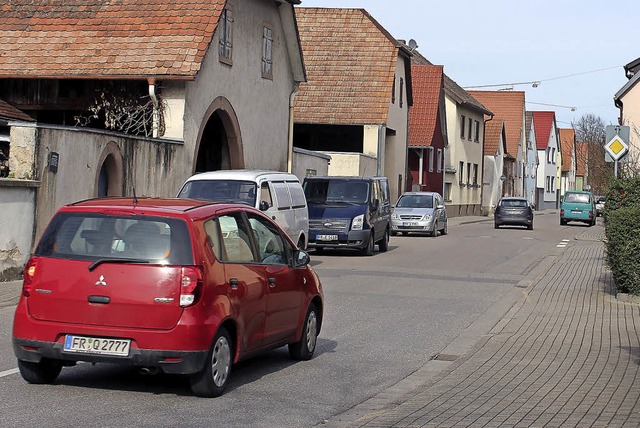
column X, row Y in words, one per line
column 97, row 263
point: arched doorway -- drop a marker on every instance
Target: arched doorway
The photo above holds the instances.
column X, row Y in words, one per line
column 109, row 180
column 219, row 146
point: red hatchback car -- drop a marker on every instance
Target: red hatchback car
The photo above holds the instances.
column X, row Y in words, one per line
column 176, row 285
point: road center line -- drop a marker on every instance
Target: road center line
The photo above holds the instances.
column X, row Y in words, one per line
column 8, row 372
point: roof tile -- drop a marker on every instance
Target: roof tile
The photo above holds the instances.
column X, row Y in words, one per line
column 508, row 106
column 108, row 38
column 427, row 88
column 350, row 63
column 567, row 141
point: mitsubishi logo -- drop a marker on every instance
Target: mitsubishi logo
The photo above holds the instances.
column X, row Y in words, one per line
column 101, row 281
column 328, row 225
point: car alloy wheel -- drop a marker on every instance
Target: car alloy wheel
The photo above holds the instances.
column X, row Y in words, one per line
column 306, row 346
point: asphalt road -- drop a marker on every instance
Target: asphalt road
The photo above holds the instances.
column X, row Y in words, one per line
column 385, row 317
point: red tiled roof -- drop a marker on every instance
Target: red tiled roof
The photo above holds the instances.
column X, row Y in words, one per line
column 509, row 106
column 492, row 134
column 567, row 140
column 350, row 61
column 581, row 159
column 543, row 122
column 7, row 111
column 427, row 87
column 96, row 38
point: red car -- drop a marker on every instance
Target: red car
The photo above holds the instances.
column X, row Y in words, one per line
column 173, row 285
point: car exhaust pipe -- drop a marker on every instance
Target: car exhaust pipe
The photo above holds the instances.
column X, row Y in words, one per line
column 149, row 370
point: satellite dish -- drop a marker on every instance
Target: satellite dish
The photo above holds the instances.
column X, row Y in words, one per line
column 413, row 44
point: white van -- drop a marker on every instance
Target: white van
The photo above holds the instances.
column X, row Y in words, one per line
column 280, row 196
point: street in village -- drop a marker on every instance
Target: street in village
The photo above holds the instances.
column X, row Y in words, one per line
column 480, row 327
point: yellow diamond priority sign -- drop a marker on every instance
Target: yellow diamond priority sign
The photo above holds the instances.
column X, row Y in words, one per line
column 616, row 148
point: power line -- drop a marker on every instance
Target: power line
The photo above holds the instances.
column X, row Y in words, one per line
column 536, row 83
column 572, row 108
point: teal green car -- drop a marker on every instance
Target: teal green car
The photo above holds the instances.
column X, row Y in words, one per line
column 578, row 206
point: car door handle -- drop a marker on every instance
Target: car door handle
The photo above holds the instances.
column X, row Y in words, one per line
column 272, row 282
column 233, row 282
column 99, row 299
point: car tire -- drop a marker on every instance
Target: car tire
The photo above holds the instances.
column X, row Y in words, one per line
column 445, row 229
column 434, row 233
column 303, row 349
column 368, row 250
column 530, row 226
column 212, row 380
column 301, row 243
column 393, row 233
column 319, row 249
column 383, row 245
column 496, row 226
column 44, row 372
column 563, row 222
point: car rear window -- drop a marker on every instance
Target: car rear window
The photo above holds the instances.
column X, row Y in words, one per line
column 94, row 236
column 581, row 198
column 518, row 203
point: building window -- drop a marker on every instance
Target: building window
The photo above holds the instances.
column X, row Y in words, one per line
column 553, row 155
column 430, row 159
column 548, row 184
column 401, row 91
column 393, row 90
column 470, row 128
column 225, row 27
column 468, row 173
column 462, row 123
column 475, row 174
column 447, row 192
column 267, row 43
column 461, row 172
column 553, row 184
column 477, row 136
column 439, row 160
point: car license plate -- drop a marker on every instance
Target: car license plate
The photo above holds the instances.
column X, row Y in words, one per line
column 576, row 212
column 326, row 237
column 96, row 345
column 409, row 223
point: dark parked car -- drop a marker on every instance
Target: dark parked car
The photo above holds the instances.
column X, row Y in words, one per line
column 513, row 211
column 174, row 285
column 348, row 213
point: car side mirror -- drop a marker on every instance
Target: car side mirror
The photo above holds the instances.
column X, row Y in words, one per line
column 301, row 258
column 264, row 205
column 440, row 207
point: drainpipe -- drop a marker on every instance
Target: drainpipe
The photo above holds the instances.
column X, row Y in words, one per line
column 292, row 98
column 381, row 140
column 154, row 99
column 420, row 167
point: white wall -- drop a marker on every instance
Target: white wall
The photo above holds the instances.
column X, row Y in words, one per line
column 395, row 162
column 261, row 105
column 463, row 150
column 17, row 199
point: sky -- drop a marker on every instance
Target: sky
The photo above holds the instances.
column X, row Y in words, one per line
column 576, row 49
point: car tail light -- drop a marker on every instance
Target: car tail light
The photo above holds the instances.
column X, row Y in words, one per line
column 590, row 214
column 190, row 285
column 28, row 275
column 562, row 212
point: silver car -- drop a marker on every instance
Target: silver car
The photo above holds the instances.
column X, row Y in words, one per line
column 422, row 212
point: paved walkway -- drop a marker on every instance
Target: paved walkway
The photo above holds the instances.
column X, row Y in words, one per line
column 568, row 354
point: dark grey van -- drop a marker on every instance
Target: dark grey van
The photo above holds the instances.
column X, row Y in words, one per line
column 348, row 212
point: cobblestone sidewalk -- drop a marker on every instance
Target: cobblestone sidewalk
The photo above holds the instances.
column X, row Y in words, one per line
column 568, row 356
